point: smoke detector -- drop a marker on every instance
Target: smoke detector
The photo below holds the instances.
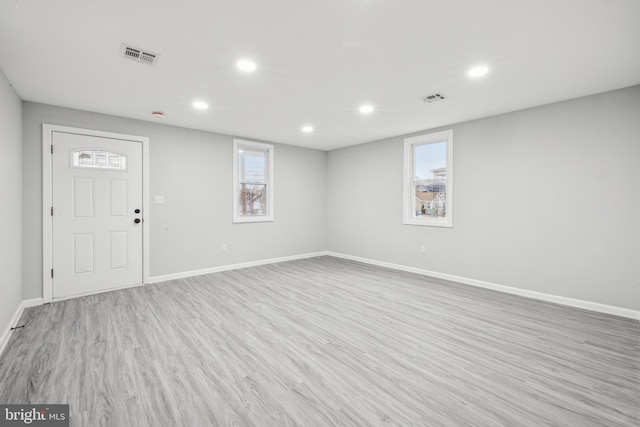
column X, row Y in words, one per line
column 138, row 55
column 438, row 96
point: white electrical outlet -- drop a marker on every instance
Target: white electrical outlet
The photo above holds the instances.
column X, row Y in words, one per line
column 158, row 200
column 224, row 247
column 423, row 249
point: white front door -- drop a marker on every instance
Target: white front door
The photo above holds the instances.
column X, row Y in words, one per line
column 97, row 213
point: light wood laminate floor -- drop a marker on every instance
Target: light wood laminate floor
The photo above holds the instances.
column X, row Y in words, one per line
column 323, row 342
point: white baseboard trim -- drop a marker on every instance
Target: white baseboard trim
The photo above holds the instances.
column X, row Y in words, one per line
column 182, row 275
column 6, row 335
column 33, row 302
column 571, row 302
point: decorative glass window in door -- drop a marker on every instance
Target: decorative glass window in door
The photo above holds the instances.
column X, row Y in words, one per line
column 98, row 159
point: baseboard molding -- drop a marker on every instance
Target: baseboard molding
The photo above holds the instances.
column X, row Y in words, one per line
column 182, row 275
column 33, row 302
column 571, row 302
column 6, row 335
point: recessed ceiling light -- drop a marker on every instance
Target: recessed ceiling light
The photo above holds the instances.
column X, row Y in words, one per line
column 200, row 105
column 307, row 129
column 246, row 65
column 478, row 71
column 366, row 109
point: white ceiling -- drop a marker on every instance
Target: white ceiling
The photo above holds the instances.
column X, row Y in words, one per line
column 317, row 60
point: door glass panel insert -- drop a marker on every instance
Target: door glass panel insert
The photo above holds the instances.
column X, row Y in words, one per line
column 98, row 159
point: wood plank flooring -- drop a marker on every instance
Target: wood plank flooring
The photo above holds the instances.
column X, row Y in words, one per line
column 324, row 342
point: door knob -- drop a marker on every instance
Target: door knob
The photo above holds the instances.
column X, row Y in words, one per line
column 137, row 220
column 137, row 211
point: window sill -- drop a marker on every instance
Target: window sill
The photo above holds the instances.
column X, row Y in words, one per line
column 253, row 219
column 429, row 223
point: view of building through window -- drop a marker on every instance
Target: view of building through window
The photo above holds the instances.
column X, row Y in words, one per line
column 252, row 171
column 430, row 180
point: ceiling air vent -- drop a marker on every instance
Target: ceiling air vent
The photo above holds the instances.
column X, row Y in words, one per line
column 138, row 55
column 433, row 97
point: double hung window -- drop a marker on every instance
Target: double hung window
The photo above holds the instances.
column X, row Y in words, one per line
column 252, row 181
column 428, row 179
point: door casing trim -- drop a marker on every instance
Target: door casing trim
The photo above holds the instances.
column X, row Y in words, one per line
column 47, row 200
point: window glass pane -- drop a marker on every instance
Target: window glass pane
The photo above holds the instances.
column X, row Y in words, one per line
column 429, row 158
column 252, row 199
column 430, row 179
column 252, row 165
column 98, row 159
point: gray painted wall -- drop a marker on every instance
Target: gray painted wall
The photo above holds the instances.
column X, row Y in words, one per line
column 10, row 202
column 192, row 169
column 546, row 199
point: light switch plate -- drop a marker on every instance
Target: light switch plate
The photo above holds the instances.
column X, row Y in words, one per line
column 159, row 200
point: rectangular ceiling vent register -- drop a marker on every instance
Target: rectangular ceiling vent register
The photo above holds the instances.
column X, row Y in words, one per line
column 138, row 55
column 438, row 96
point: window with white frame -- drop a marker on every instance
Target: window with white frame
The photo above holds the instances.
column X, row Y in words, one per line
column 252, row 181
column 428, row 179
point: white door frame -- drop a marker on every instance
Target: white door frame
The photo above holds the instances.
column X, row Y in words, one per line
column 47, row 201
